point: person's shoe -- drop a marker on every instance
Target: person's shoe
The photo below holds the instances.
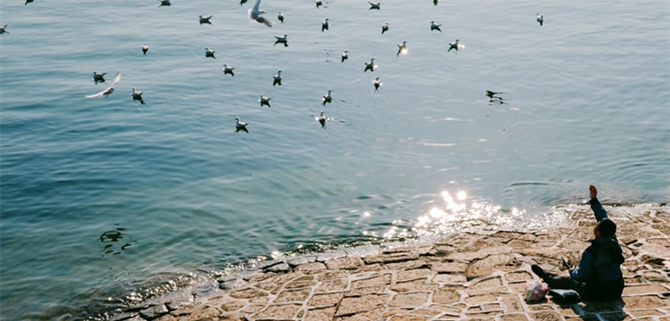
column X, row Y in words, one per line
column 537, row 270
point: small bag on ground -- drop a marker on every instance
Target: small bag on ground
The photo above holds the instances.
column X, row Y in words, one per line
column 535, row 290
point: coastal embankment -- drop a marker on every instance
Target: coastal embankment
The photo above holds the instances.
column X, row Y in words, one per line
column 474, row 276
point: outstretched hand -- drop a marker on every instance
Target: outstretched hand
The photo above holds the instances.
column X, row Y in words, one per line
column 593, row 190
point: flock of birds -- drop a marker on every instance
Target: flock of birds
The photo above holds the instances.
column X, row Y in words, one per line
column 256, row 16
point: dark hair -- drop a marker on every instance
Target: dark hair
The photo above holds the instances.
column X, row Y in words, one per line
column 607, row 228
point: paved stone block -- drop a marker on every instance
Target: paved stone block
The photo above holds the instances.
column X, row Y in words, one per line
column 518, row 276
column 479, row 299
column 325, row 299
column 372, row 314
column 415, row 286
column 167, row 317
column 408, row 275
column 247, row 293
column 320, row 314
column 283, row 311
column 366, row 290
column 389, row 258
column 352, row 305
column 409, row 300
column 331, row 275
column 446, row 296
column 514, row 317
column 292, row 296
column 651, row 288
column 644, row 302
column 407, row 265
column 450, row 278
column 620, row 316
column 486, row 284
column 332, row 286
column 409, row 318
column 311, row 268
column 588, row 317
column 487, row 265
column 449, row 267
column 645, row 313
column 426, row 312
column 232, row 306
column 512, row 302
column 546, row 316
column 395, row 311
column 383, row 279
column 202, row 312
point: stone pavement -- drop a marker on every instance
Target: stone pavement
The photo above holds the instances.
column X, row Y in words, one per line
column 474, row 276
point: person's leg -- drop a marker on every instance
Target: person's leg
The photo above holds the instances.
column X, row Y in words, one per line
column 560, row 282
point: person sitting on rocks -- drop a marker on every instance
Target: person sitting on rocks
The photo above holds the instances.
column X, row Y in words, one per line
column 598, row 276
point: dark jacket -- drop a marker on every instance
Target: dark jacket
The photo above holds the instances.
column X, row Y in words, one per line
column 600, row 267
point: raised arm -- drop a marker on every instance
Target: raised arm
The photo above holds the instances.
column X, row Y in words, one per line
column 598, row 209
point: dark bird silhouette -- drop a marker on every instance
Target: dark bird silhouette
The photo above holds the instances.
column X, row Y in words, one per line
column 325, row 25
column 276, row 79
column 385, row 28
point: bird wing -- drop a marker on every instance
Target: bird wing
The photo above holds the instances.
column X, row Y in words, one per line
column 265, row 21
column 116, row 79
column 210, row 17
column 255, row 12
column 97, row 95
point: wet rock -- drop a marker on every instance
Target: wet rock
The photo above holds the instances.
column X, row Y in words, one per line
column 281, row 267
column 302, row 259
column 330, row 255
column 172, row 306
column 123, row 316
column 154, row 312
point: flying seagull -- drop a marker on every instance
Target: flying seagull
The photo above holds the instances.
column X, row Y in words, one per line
column 281, row 17
column 345, row 55
column 374, row 5
column 240, row 125
column 277, row 79
column 137, row 95
column 107, row 90
column 164, row 3
column 3, row 29
column 145, row 48
column 319, row 3
column 540, row 19
column 228, row 70
column 255, row 15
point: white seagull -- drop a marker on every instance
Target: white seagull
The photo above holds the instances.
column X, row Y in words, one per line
column 137, row 95
column 319, row 3
column 434, row 26
column 255, row 15
column 264, row 101
column 145, row 48
column 327, row 98
column 370, row 65
column 345, row 55
column 385, row 28
column 109, row 89
column 240, row 125
column 228, row 70
column 374, row 5
column 205, row 19
column 281, row 17
column 376, row 83
column 325, row 25
column 3, row 29
column 283, row 40
column 98, row 76
column 277, row 79
column 209, row 53
column 540, row 19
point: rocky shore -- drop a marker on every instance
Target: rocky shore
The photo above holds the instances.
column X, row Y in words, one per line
column 474, row 276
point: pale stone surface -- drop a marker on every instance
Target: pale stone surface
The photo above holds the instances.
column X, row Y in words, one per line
column 409, row 299
column 325, row 299
column 446, row 296
column 352, row 305
column 430, row 282
column 283, row 311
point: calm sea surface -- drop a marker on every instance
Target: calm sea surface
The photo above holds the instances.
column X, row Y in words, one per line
column 106, row 203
